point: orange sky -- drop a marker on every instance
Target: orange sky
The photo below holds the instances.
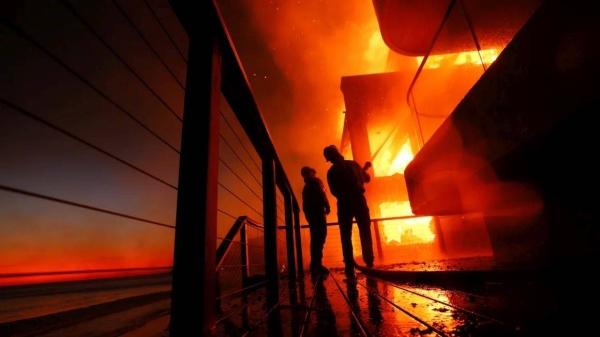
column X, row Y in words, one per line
column 313, row 44
column 294, row 54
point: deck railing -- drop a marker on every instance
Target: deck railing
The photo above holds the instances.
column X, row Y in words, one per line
column 130, row 143
column 444, row 78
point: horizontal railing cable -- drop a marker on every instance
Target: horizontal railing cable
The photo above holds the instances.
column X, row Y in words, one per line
column 267, row 314
column 165, row 30
column 441, row 302
column 73, row 11
column 63, row 201
column 258, row 229
column 352, row 309
column 404, row 217
column 242, row 180
column 133, row 25
column 72, row 136
column 229, row 215
column 242, row 265
column 233, row 312
column 310, row 305
column 411, row 315
column 237, row 309
column 256, row 285
column 240, row 199
column 278, row 213
column 254, row 224
column 27, row 37
column 281, row 201
column 241, row 143
column 241, row 161
column 241, row 243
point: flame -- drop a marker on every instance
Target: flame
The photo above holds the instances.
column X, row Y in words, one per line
column 471, row 57
column 405, row 231
column 377, row 53
column 385, row 166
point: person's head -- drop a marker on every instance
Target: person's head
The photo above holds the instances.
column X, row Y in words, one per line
column 332, row 154
column 308, row 172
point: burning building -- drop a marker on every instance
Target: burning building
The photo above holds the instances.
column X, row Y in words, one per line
column 389, row 117
column 371, row 103
column 472, row 137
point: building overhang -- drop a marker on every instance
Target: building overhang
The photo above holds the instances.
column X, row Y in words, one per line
column 408, row 27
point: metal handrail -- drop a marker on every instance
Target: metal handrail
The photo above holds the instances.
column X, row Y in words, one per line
column 414, row 81
column 233, row 231
column 409, row 93
column 372, row 220
column 433, row 41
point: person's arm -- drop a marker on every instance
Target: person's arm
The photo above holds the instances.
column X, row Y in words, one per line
column 324, row 199
column 304, row 204
column 331, row 183
column 366, row 176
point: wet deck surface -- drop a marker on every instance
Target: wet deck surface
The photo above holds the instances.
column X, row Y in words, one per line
column 442, row 298
column 377, row 305
column 384, row 301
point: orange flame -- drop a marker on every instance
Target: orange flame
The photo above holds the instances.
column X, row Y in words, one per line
column 405, row 231
column 384, row 165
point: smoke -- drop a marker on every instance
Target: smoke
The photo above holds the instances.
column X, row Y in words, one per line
column 313, row 44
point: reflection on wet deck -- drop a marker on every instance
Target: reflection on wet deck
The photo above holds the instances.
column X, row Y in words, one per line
column 328, row 305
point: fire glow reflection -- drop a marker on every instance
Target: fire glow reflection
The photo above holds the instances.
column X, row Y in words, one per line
column 471, row 57
column 440, row 315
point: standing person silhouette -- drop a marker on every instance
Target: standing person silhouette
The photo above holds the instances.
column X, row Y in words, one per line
column 346, row 179
column 315, row 206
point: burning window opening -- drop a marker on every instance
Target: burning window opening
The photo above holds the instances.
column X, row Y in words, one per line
column 405, row 231
column 471, row 57
column 385, row 165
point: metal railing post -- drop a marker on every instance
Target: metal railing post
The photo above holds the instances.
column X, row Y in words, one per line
column 244, row 255
column 245, row 270
column 194, row 265
column 270, row 223
column 409, row 93
column 439, row 234
column 297, row 232
column 378, row 239
column 289, row 233
column 291, row 251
